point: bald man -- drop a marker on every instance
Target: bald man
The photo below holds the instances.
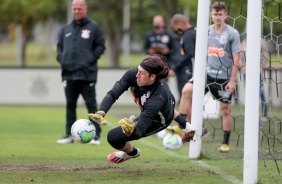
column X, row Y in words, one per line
column 160, row 41
column 186, row 34
column 80, row 45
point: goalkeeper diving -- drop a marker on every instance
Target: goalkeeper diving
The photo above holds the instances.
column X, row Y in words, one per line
column 156, row 102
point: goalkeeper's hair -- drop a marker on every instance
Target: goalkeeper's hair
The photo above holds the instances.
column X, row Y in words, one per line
column 158, row 65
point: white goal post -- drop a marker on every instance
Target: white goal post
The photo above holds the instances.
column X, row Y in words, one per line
column 251, row 125
column 199, row 76
column 251, row 120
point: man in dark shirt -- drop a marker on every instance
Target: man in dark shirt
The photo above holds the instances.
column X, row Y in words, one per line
column 186, row 34
column 80, row 45
column 156, row 102
column 160, row 41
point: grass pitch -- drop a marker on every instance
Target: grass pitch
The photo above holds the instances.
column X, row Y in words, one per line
column 29, row 154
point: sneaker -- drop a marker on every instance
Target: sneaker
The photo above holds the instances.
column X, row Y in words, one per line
column 65, row 140
column 205, row 133
column 96, row 142
column 121, row 156
column 224, row 148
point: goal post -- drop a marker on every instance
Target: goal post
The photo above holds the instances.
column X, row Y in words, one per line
column 251, row 119
column 251, row 126
column 199, row 76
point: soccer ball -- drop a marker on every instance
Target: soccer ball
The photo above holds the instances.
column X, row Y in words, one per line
column 83, row 131
column 172, row 141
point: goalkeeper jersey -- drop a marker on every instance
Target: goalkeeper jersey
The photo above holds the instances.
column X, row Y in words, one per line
column 155, row 101
column 220, row 49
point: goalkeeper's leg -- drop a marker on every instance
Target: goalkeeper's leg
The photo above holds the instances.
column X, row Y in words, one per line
column 118, row 140
column 121, row 141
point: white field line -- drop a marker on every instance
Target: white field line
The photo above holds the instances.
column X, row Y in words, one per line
column 231, row 179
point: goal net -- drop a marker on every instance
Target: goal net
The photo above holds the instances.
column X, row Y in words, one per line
column 270, row 94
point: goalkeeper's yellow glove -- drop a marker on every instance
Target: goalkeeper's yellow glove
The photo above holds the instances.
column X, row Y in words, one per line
column 127, row 125
column 98, row 117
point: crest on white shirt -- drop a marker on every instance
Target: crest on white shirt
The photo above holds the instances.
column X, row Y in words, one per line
column 223, row 39
column 85, row 34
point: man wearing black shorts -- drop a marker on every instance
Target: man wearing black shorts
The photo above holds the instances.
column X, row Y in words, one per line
column 222, row 66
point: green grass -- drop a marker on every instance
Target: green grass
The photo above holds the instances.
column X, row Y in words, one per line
column 29, row 154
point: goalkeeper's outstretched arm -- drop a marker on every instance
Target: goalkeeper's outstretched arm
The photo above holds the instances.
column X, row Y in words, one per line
column 184, row 125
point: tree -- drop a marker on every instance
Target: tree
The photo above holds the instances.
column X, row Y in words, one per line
column 26, row 13
column 112, row 11
column 109, row 14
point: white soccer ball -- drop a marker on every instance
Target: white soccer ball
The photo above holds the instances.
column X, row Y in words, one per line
column 83, row 131
column 172, row 141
